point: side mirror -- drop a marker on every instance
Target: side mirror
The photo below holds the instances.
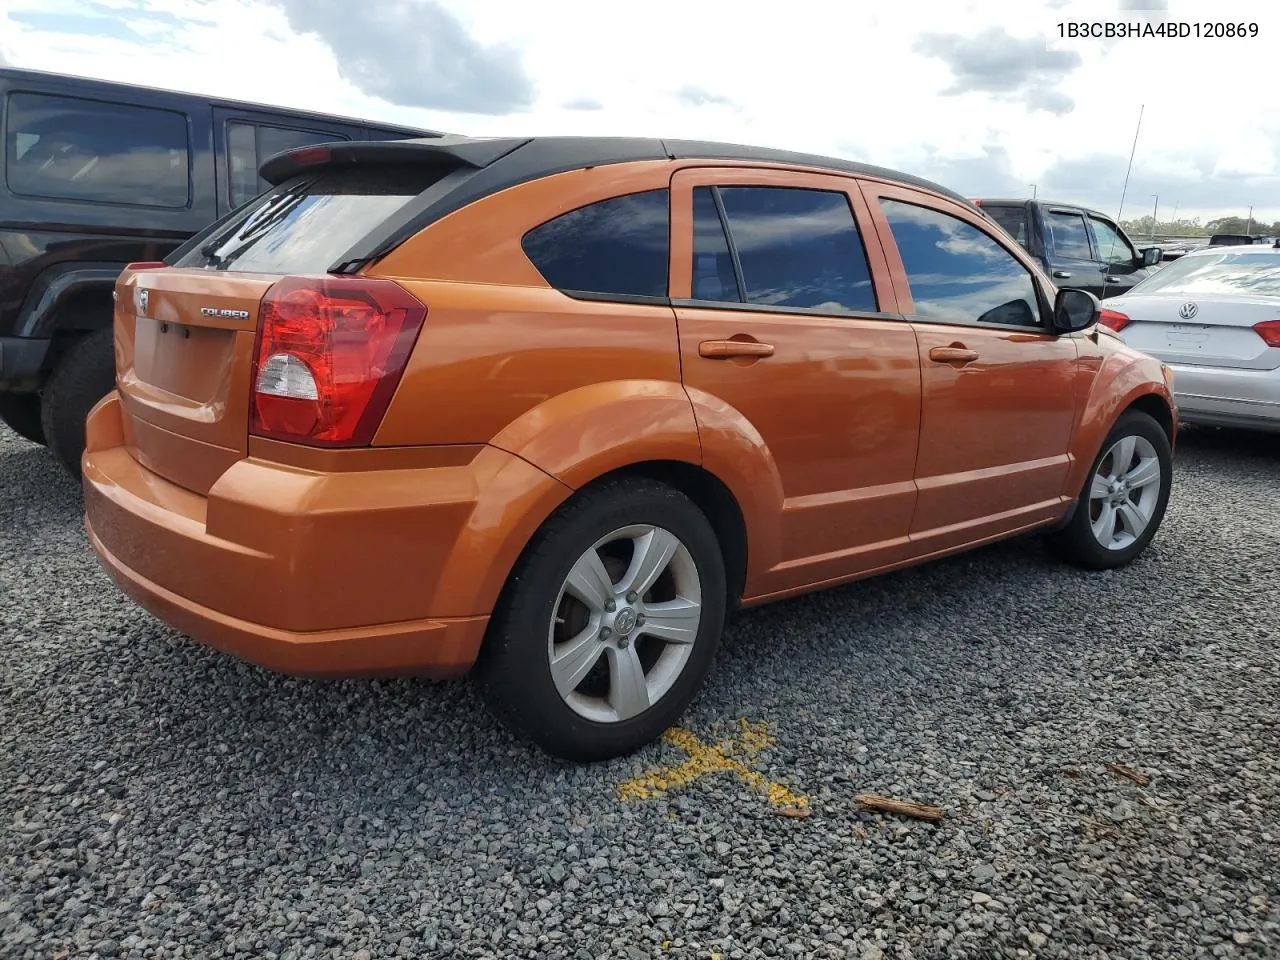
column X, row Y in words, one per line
column 1075, row 310
column 1151, row 256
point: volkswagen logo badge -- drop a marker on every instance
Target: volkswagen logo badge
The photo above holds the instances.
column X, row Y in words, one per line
column 1188, row 310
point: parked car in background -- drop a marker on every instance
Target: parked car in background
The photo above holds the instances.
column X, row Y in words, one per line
column 1214, row 317
column 94, row 175
column 550, row 407
column 1230, row 240
column 1079, row 247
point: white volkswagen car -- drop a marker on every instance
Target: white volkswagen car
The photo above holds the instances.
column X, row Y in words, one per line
column 1212, row 315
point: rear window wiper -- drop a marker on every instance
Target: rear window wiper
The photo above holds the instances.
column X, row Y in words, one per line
column 255, row 226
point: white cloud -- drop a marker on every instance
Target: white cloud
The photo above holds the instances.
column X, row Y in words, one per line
column 829, row 77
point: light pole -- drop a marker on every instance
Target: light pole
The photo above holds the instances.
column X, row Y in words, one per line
column 1033, row 191
column 1155, row 215
column 1249, row 229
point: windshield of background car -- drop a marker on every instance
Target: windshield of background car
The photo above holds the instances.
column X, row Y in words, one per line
column 1223, row 274
column 307, row 224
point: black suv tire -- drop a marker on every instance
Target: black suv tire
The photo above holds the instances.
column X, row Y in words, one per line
column 21, row 412
column 85, row 374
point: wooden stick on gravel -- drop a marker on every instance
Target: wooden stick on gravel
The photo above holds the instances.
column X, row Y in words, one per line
column 1119, row 769
column 907, row 808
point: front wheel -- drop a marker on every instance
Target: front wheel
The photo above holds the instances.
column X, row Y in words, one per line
column 609, row 624
column 1124, row 497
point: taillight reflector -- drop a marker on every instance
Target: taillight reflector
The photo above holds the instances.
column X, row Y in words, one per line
column 146, row 265
column 1269, row 331
column 329, row 355
column 1114, row 319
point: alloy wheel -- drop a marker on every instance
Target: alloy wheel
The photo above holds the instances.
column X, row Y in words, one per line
column 625, row 623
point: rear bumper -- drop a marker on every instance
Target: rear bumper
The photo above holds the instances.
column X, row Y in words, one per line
column 430, row 648
column 316, row 574
column 1226, row 396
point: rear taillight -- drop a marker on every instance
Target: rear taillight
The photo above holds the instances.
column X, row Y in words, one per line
column 1114, row 320
column 329, row 356
column 1269, row 331
column 146, row 265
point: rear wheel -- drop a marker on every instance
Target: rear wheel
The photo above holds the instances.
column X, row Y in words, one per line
column 609, row 624
column 1124, row 497
column 84, row 375
column 21, row 412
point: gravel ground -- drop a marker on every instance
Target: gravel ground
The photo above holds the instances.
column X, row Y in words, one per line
column 160, row 800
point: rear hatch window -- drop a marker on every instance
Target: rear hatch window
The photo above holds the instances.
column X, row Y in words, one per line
column 312, row 222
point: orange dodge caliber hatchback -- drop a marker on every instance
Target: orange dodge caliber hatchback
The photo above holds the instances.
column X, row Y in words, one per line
column 544, row 409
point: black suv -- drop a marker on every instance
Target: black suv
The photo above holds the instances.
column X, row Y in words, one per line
column 1078, row 247
column 94, row 175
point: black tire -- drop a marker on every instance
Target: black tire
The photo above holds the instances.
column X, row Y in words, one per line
column 21, row 412
column 1076, row 542
column 84, row 375
column 513, row 672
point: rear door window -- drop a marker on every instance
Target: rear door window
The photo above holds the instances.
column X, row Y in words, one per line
column 796, row 247
column 67, row 148
column 308, row 224
column 956, row 272
column 612, row 248
column 1069, row 235
column 249, row 144
column 1012, row 219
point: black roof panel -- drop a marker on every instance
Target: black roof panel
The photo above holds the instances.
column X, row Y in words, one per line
column 530, row 158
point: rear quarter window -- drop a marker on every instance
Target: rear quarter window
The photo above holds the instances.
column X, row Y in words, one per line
column 612, row 248
column 67, row 148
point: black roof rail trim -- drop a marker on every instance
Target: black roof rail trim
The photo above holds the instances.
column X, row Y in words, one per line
column 711, row 150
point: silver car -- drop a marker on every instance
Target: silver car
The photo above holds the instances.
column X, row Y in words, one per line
column 1212, row 315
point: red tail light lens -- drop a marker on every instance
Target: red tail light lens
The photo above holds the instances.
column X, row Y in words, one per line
column 1269, row 331
column 1114, row 319
column 329, row 355
column 306, row 156
column 146, row 265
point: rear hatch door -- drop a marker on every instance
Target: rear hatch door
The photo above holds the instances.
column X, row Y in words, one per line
column 185, row 333
column 1202, row 308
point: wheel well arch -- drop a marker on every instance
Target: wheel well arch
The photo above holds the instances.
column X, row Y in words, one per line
column 1154, row 406
column 712, row 497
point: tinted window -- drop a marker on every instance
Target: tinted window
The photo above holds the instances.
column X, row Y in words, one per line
column 1220, row 274
column 957, row 273
column 73, row 149
column 615, row 247
column 242, row 152
column 1013, row 220
column 713, row 274
column 309, row 223
column 248, row 145
column 1112, row 247
column 798, row 248
column 1069, row 236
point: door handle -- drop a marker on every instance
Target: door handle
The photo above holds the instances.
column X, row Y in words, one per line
column 730, row 349
column 1113, row 279
column 955, row 353
column 1062, row 274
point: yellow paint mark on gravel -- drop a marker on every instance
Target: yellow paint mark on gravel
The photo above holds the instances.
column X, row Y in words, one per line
column 733, row 755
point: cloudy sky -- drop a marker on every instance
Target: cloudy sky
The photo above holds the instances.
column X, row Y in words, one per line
column 985, row 97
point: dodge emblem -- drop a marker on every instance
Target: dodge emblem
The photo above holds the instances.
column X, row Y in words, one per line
column 1188, row 310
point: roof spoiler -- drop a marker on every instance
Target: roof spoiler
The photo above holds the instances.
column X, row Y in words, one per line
column 450, row 150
